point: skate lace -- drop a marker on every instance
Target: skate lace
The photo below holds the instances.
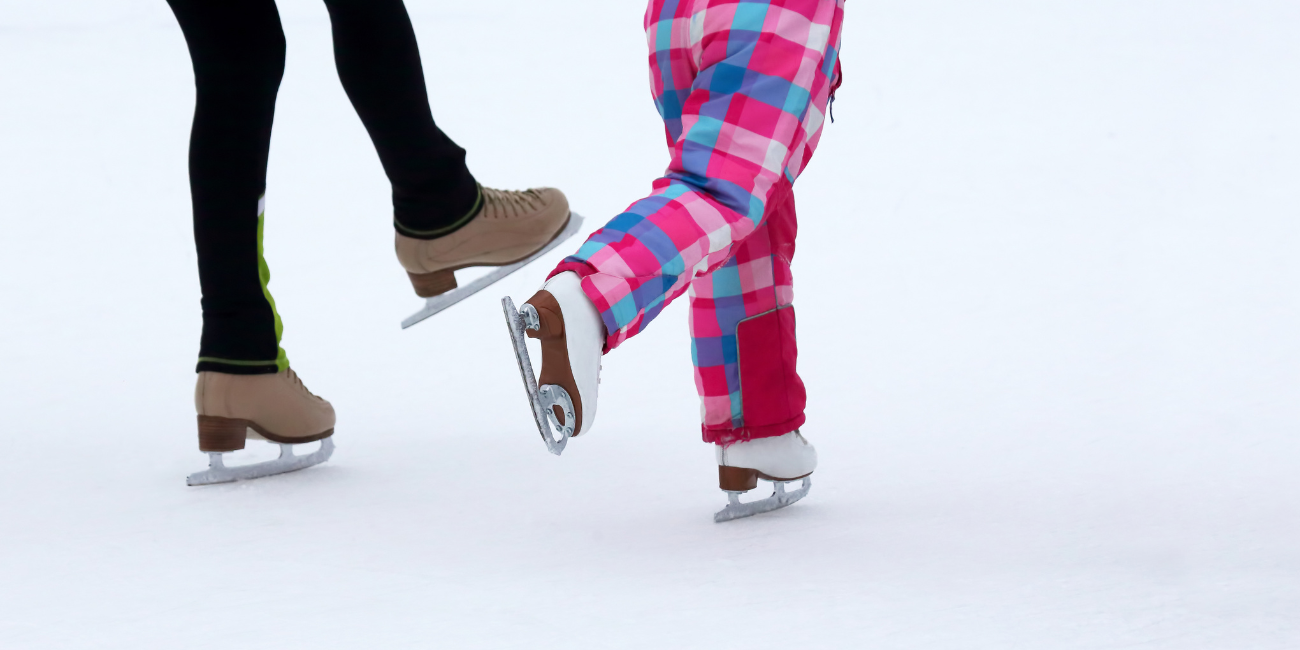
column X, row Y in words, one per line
column 298, row 381
column 509, row 203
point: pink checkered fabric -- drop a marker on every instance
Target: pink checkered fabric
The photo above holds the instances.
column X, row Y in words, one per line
column 744, row 359
column 743, row 89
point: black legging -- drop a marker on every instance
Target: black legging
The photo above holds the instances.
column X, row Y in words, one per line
column 237, row 48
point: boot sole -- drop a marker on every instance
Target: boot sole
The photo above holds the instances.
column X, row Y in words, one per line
column 229, row 434
column 744, row 479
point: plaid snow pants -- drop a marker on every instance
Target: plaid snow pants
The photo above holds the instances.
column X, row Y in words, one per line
column 743, row 89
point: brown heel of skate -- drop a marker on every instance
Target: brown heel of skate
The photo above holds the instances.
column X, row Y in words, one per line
column 737, row 479
column 428, row 285
column 221, row 434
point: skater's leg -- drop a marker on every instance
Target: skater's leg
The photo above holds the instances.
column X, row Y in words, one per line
column 742, row 335
column 237, row 48
column 748, row 119
column 744, row 348
column 378, row 62
column 742, row 88
column 444, row 219
column 245, row 386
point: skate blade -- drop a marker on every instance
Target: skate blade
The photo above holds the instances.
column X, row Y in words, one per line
column 779, row 499
column 554, row 444
column 217, row 471
column 442, row 301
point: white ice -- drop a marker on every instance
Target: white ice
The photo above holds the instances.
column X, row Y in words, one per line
column 1049, row 307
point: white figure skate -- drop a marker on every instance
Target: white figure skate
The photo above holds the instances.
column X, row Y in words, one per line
column 572, row 336
column 781, row 460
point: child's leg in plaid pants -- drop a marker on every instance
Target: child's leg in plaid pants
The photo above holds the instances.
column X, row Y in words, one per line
column 742, row 335
column 743, row 89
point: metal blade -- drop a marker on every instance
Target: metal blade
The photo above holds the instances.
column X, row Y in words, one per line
column 217, row 471
column 518, row 339
column 779, row 499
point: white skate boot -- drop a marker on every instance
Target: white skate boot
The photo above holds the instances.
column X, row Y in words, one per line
column 573, row 336
column 781, row 460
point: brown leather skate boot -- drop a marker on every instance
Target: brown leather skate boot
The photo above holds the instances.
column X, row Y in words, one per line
column 278, row 408
column 510, row 227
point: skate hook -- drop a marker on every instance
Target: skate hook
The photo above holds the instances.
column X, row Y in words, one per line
column 528, row 314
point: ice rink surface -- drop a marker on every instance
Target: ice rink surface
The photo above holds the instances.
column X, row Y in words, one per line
column 1049, row 307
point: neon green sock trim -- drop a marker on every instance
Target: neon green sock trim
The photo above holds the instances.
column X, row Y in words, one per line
column 264, row 273
column 473, row 212
column 236, row 362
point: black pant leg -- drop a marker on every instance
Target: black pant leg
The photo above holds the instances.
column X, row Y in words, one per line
column 379, row 64
column 237, row 48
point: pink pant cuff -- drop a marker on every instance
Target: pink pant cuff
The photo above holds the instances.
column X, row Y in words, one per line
column 583, row 269
column 729, row 436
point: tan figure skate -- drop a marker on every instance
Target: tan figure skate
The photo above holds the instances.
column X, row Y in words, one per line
column 509, row 231
column 277, row 408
